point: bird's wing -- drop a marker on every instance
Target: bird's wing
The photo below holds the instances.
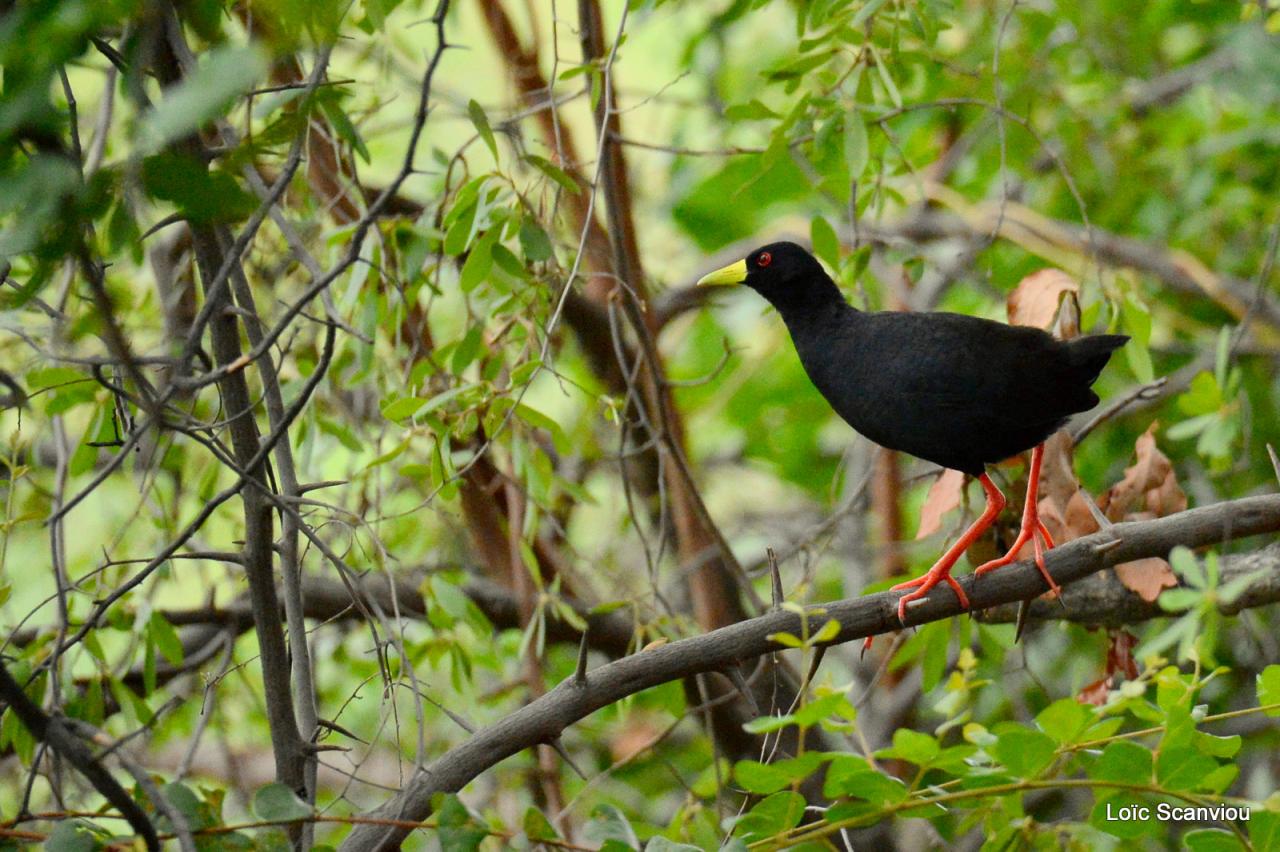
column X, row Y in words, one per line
column 993, row 372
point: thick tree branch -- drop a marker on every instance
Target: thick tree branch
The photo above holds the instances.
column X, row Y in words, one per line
column 1104, row 601
column 258, row 558
column 544, row 720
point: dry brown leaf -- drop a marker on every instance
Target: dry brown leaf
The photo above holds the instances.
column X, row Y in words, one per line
column 1057, row 469
column 1035, row 300
column 1167, row 498
column 1120, row 654
column 1119, row 662
column 944, row 495
column 1066, row 325
column 1152, row 472
column 1080, row 521
column 1146, row 577
column 1051, row 517
column 1095, row 693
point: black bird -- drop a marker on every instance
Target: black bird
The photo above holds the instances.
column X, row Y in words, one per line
column 955, row 390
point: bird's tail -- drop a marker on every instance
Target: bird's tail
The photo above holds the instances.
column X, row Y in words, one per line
column 1090, row 354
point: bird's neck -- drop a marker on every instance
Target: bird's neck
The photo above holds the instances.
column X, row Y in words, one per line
column 817, row 302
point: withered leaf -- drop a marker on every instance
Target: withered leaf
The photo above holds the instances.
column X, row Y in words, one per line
column 944, row 495
column 1035, row 300
column 1146, row 577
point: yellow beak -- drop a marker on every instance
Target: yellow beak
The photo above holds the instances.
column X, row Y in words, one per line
column 734, row 273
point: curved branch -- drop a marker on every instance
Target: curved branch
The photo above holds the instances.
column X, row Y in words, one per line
column 574, row 699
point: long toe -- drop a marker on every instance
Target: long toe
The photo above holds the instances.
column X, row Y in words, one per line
column 908, row 598
column 995, row 563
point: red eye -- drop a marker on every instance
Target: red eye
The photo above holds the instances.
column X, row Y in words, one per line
column 764, row 259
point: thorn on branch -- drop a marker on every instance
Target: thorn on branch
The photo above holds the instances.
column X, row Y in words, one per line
column 819, row 654
column 776, row 576
column 1103, row 547
column 580, row 673
column 735, row 674
column 556, row 744
column 316, row 486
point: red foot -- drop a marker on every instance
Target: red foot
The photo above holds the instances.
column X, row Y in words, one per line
column 1032, row 529
column 941, row 570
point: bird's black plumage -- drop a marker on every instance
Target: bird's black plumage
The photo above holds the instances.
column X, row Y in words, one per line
column 959, row 391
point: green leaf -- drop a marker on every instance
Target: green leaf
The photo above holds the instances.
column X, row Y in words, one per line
column 765, row 778
column 1264, row 830
column 1139, row 360
column 825, row 633
column 344, row 126
column 1182, row 768
column 1224, row 747
column 857, row 148
column 1137, row 321
column 478, row 263
column 223, row 74
column 554, row 172
column 1025, row 752
column 912, row 746
column 1203, row 396
column 933, row 662
column 770, row 816
column 662, row 844
column 609, row 824
column 166, row 638
column 850, row 775
column 1211, row 840
column 200, row 194
column 868, row 9
column 820, row 708
column 466, row 350
column 826, row 245
column 886, row 79
column 1123, row 760
column 1065, row 720
column 1179, row 600
column 1110, row 815
column 481, row 122
column 534, row 242
column 536, row 825
column 1219, row 779
column 198, row 813
column 751, row 110
column 1269, row 688
column 457, row 830
column 787, row 640
column 73, row 835
column 766, row 724
column 403, row 408
column 277, row 803
column 1188, row 567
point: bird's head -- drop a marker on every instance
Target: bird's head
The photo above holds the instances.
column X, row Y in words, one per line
column 779, row 271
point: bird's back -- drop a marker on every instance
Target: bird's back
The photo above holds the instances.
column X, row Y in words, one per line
column 960, row 391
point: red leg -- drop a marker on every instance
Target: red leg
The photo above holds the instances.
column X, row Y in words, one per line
column 941, row 570
column 1032, row 529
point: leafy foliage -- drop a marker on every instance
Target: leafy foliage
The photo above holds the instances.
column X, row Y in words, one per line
column 469, row 412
